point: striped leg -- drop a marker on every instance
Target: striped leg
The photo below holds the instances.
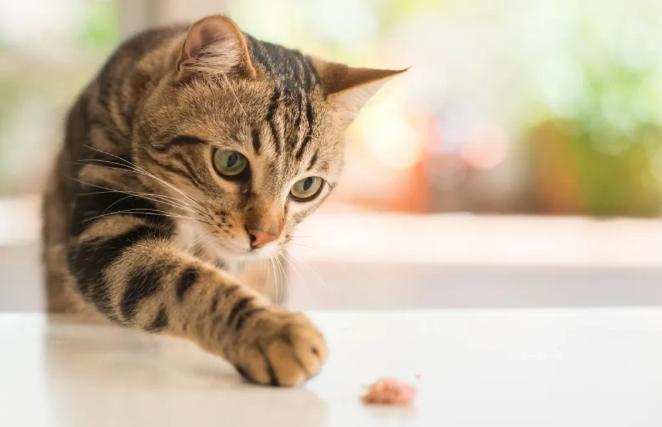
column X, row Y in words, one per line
column 128, row 270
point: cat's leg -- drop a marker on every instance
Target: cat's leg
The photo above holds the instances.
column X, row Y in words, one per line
column 127, row 268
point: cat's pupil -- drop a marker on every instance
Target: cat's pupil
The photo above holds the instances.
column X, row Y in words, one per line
column 307, row 183
column 232, row 159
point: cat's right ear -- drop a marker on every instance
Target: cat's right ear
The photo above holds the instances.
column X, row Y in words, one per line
column 346, row 88
column 215, row 45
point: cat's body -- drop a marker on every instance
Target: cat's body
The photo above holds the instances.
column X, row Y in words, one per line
column 193, row 149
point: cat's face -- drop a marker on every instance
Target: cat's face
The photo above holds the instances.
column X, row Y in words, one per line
column 246, row 150
column 250, row 168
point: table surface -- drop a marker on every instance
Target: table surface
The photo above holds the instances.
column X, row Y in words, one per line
column 507, row 367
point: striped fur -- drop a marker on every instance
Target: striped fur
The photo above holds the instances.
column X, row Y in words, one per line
column 138, row 227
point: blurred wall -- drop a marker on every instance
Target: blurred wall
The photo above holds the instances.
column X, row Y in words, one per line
column 136, row 16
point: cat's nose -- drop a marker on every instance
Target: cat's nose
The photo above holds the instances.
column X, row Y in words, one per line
column 260, row 238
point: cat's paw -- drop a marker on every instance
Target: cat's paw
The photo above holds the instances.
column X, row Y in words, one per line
column 283, row 349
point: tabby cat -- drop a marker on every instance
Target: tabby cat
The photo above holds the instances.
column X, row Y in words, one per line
column 194, row 148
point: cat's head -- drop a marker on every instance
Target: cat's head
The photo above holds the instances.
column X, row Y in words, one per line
column 248, row 135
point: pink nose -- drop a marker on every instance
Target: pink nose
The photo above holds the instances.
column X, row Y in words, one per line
column 260, row 238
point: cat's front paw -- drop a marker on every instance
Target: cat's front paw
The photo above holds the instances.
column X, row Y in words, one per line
column 281, row 349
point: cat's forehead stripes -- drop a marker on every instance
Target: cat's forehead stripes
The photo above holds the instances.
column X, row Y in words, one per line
column 306, row 140
column 313, row 160
column 287, row 67
column 291, row 122
column 291, row 107
column 255, row 140
column 271, row 112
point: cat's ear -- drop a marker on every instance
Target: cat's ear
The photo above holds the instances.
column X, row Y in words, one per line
column 346, row 88
column 215, row 45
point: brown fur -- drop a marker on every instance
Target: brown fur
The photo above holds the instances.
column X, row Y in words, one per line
column 139, row 227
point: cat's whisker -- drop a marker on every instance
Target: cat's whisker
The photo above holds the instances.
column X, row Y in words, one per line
column 282, row 256
column 305, row 247
column 138, row 169
column 162, row 196
column 109, row 190
column 141, row 209
column 301, row 265
column 282, row 277
column 234, row 94
column 137, row 212
column 145, row 196
column 272, row 271
column 155, row 197
column 148, row 196
column 275, row 278
column 172, row 198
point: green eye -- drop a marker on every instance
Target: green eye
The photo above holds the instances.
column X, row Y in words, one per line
column 306, row 189
column 229, row 163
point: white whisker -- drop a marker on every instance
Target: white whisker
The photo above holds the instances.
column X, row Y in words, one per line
column 148, row 196
column 139, row 212
column 142, row 171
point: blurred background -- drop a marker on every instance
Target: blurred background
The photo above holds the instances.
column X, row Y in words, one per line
column 518, row 162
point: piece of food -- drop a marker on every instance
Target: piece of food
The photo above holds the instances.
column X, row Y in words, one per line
column 389, row 391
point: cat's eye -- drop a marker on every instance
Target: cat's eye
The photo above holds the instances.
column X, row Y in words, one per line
column 229, row 163
column 306, row 189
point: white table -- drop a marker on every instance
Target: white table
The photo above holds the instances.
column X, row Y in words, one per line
column 520, row 367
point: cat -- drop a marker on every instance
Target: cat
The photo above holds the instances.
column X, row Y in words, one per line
column 194, row 148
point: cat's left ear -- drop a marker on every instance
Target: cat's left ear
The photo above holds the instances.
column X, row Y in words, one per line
column 346, row 88
column 215, row 45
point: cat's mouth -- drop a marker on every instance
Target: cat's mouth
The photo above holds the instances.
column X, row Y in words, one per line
column 225, row 248
column 233, row 250
column 233, row 253
column 200, row 242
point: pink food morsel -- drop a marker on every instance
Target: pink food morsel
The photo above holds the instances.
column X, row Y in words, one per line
column 389, row 391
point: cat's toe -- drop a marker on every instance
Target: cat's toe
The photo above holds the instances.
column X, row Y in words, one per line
column 291, row 354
